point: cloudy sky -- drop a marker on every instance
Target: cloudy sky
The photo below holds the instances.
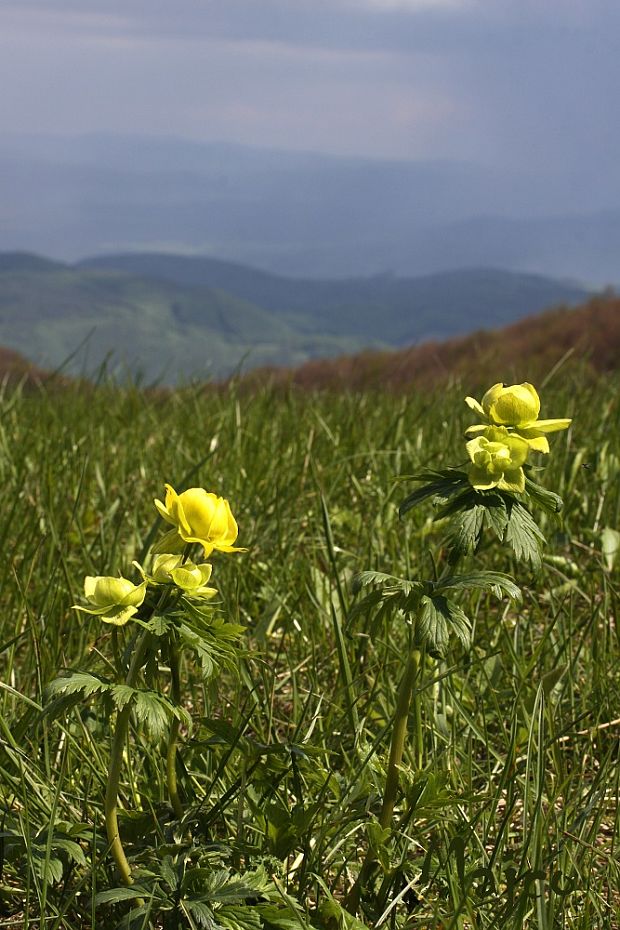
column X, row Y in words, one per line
column 525, row 83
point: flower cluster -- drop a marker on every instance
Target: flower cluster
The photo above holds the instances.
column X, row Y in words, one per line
column 510, row 431
column 198, row 517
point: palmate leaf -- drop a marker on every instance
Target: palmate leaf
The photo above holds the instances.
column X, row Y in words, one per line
column 66, row 692
column 442, row 484
column 433, row 616
column 496, row 582
column 213, row 640
column 200, row 912
column 546, row 500
column 524, row 536
column 78, row 683
column 237, row 917
column 437, row 618
column 122, row 893
column 466, row 531
column 364, row 579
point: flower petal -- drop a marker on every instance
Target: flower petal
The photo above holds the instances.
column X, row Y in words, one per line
column 513, row 481
column 473, row 403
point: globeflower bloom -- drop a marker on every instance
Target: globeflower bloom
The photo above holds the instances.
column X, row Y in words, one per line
column 113, row 600
column 198, row 516
column 190, row 578
column 516, row 407
column 497, row 458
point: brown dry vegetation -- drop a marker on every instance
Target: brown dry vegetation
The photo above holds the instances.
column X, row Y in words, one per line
column 587, row 337
column 15, row 368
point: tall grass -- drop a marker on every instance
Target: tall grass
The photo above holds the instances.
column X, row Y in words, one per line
column 508, row 815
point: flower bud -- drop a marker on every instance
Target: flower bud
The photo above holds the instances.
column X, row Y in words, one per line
column 190, row 578
column 113, row 600
column 497, row 458
column 515, row 405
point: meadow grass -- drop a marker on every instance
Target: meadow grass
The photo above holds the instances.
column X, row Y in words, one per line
column 508, row 812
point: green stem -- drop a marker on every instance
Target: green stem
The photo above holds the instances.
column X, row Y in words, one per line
column 173, row 736
column 399, row 734
column 116, row 761
column 397, row 748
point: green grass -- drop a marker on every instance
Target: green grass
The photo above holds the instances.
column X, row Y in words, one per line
column 285, row 766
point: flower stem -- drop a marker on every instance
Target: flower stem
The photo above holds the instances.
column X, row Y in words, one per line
column 399, row 734
column 171, row 755
column 116, row 761
column 397, row 747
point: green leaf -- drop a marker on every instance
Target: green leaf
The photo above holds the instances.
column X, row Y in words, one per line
column 123, row 893
column 441, row 484
column 432, row 624
column 236, row 917
column 78, row 683
column 154, row 710
column 466, row 531
column 159, row 625
column 496, row 582
column 546, row 500
column 122, row 695
column 200, row 911
column 524, row 536
column 496, row 514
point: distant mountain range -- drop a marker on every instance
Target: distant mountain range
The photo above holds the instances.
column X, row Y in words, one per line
column 301, row 214
column 174, row 318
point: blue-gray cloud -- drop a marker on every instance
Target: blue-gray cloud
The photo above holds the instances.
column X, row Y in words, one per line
column 524, row 83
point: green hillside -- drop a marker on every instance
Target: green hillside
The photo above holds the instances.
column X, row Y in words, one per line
column 384, row 307
column 161, row 329
column 174, row 318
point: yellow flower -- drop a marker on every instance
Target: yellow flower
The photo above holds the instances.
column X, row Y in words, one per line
column 516, row 407
column 113, row 600
column 198, row 516
column 190, row 578
column 497, row 458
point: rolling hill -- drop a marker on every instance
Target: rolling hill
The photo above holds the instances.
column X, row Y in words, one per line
column 172, row 318
column 584, row 340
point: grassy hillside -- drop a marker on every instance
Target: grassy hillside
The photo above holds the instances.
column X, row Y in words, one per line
column 49, row 310
column 383, row 307
column 587, row 337
column 176, row 318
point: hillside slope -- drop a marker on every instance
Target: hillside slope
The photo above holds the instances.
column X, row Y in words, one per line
column 586, row 338
column 49, row 311
column 172, row 319
column 383, row 308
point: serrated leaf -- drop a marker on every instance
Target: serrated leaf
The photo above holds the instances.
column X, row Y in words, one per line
column 466, row 530
column 78, row 683
column 460, row 623
column 442, row 484
column 496, row 515
column 546, row 500
column 73, row 850
column 496, row 582
column 200, row 911
column 431, row 624
column 364, row 579
column 122, row 893
column 153, row 710
column 159, row 625
column 236, row 917
column 122, row 695
column 524, row 536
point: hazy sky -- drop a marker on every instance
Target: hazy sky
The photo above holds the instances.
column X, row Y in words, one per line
column 527, row 83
